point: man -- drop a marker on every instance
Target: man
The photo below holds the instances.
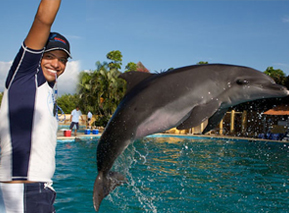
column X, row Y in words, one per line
column 28, row 124
column 89, row 116
column 74, row 119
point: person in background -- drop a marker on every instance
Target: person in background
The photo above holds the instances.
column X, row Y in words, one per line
column 89, row 116
column 28, row 124
column 74, row 119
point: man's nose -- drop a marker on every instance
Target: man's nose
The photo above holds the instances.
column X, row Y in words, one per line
column 55, row 62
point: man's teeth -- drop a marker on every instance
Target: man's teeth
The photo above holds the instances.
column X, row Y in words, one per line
column 53, row 71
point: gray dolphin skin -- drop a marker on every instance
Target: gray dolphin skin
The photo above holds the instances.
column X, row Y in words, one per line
column 182, row 98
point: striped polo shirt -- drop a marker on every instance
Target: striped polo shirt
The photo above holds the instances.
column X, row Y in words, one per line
column 28, row 126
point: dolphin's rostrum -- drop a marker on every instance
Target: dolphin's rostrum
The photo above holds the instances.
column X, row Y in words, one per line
column 182, row 98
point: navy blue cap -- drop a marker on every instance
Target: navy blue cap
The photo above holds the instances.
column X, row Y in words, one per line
column 57, row 41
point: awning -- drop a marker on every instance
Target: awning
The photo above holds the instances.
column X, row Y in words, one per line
column 278, row 110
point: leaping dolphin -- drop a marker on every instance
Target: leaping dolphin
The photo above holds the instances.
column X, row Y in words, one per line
column 182, row 98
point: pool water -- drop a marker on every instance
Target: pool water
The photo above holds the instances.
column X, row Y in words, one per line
column 178, row 174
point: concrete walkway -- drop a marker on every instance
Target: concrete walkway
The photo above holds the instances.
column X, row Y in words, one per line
column 60, row 135
column 82, row 135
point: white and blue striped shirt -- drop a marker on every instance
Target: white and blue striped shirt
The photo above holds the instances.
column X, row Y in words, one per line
column 28, row 126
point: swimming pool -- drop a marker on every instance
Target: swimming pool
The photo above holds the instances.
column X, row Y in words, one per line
column 178, row 174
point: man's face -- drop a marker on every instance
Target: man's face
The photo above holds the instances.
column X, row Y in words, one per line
column 53, row 62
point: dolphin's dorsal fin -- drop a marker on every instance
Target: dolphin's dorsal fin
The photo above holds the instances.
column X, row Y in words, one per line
column 132, row 78
column 215, row 119
column 199, row 114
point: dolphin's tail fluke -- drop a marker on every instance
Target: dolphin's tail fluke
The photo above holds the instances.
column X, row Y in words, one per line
column 104, row 184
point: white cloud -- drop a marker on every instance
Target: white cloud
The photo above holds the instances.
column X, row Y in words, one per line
column 4, row 68
column 68, row 81
column 66, row 84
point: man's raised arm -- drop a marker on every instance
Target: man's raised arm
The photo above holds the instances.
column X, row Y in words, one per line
column 40, row 29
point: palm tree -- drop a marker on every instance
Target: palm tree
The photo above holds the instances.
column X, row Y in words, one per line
column 84, row 89
column 101, row 90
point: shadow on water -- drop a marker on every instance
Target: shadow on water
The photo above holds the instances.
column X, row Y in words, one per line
column 179, row 175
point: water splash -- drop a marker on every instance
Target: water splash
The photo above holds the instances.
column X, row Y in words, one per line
column 126, row 163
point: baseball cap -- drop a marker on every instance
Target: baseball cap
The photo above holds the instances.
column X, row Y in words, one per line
column 56, row 41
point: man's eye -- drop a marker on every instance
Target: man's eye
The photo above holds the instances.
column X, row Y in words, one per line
column 63, row 60
column 48, row 57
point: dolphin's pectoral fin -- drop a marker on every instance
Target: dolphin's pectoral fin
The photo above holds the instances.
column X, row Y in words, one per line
column 133, row 78
column 103, row 185
column 214, row 120
column 199, row 114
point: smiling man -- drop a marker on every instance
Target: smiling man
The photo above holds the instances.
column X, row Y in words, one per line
column 55, row 57
column 28, row 124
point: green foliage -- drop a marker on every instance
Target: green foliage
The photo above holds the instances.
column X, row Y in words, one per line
column 68, row 102
column 116, row 58
column 202, row 62
column 100, row 90
column 131, row 66
column 278, row 75
column 102, row 121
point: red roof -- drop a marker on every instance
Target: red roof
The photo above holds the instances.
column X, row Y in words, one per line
column 141, row 67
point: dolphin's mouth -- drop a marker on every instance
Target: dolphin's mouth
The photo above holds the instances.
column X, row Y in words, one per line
column 276, row 89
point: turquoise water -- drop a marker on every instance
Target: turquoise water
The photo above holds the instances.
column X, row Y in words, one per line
column 179, row 174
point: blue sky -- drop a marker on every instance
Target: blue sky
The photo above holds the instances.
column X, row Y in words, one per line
column 159, row 33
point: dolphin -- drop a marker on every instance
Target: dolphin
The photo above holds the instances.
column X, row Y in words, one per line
column 182, row 98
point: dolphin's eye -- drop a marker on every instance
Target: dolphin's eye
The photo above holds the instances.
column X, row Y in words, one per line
column 242, row 82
